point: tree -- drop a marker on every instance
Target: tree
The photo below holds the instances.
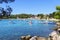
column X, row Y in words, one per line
column 57, row 14
column 40, row 15
column 8, row 10
column 6, row 1
column 51, row 15
column 57, row 7
column 25, row 15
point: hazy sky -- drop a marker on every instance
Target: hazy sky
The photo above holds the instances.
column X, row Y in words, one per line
column 33, row 6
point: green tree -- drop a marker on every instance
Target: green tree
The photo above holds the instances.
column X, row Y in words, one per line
column 58, row 8
column 51, row 15
column 57, row 14
column 23, row 15
column 40, row 15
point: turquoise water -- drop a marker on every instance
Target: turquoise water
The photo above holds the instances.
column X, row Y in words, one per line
column 14, row 29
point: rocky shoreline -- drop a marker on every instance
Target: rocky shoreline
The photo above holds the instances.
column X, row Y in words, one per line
column 28, row 37
column 55, row 35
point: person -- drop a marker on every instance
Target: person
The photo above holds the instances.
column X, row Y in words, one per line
column 30, row 23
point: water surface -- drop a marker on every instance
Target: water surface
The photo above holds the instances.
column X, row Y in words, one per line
column 14, row 29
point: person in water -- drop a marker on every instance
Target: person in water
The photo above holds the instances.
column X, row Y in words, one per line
column 30, row 22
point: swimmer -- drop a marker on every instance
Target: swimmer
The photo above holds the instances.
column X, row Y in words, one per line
column 30, row 23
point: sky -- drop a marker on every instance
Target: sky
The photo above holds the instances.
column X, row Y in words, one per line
column 33, row 6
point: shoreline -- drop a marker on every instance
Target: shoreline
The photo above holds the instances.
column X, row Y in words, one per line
column 29, row 37
column 31, row 19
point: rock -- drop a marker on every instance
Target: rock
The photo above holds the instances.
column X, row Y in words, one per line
column 28, row 37
column 58, row 23
column 33, row 38
column 41, row 38
column 22, row 37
